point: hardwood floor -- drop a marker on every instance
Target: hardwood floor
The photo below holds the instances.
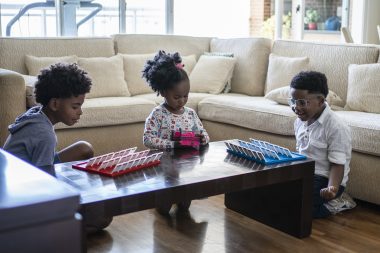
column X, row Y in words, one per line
column 210, row 227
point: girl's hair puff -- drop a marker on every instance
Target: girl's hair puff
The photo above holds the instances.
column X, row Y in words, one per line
column 164, row 71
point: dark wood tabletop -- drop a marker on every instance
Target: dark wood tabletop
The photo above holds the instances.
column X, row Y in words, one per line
column 187, row 174
column 36, row 210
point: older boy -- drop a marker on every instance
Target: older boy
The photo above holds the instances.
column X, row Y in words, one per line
column 60, row 90
column 321, row 135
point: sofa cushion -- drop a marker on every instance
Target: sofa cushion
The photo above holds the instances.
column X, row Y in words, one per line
column 255, row 113
column 192, row 102
column 364, row 88
column 13, row 50
column 227, row 89
column 365, row 130
column 34, row 64
column 107, row 75
column 133, row 66
column 281, row 70
column 331, row 59
column 146, row 44
column 281, row 96
column 211, row 74
column 100, row 112
column 252, row 62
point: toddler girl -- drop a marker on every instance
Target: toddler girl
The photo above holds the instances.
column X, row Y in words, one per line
column 166, row 76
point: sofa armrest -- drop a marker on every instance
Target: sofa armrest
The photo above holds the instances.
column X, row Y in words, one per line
column 12, row 100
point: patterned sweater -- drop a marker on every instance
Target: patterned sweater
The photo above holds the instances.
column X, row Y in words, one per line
column 161, row 122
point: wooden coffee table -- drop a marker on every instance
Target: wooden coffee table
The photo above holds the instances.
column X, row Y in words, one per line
column 277, row 195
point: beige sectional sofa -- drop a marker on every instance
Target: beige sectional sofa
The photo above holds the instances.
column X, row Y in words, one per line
column 112, row 123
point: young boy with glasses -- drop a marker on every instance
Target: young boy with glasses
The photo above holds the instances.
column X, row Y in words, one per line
column 322, row 136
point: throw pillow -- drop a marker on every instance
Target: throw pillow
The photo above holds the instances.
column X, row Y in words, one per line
column 34, row 64
column 107, row 75
column 363, row 91
column 133, row 66
column 282, row 69
column 211, row 73
column 227, row 88
column 281, row 95
column 30, row 82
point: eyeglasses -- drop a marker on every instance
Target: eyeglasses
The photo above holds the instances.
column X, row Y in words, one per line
column 301, row 102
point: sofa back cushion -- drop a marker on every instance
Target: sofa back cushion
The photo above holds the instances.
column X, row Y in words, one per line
column 331, row 59
column 13, row 50
column 364, row 88
column 133, row 66
column 146, row 44
column 107, row 75
column 281, row 70
column 36, row 64
column 211, row 74
column 252, row 56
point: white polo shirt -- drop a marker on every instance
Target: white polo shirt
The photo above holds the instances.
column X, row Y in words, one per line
column 326, row 140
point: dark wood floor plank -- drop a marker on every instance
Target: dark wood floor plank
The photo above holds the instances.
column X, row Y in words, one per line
column 210, row 227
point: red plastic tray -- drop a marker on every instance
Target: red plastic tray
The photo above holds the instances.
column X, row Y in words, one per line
column 108, row 171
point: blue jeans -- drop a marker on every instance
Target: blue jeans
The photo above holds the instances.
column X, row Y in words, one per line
column 319, row 209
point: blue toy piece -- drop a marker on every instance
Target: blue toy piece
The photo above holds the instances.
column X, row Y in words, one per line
column 262, row 152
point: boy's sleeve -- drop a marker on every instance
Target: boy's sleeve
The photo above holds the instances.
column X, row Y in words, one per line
column 43, row 152
column 150, row 138
column 339, row 144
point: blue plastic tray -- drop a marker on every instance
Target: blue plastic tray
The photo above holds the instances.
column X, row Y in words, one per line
column 270, row 160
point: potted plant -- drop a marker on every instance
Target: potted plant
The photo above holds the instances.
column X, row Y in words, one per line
column 311, row 19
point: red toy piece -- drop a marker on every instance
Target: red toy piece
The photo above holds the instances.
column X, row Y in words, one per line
column 187, row 138
column 119, row 163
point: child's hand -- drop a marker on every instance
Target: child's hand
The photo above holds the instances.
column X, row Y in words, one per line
column 329, row 193
column 202, row 138
column 178, row 144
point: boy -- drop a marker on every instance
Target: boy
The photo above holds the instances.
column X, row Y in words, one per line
column 60, row 89
column 322, row 136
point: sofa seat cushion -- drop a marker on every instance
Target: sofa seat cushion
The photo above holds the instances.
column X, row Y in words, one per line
column 109, row 111
column 192, row 102
column 255, row 113
column 365, row 130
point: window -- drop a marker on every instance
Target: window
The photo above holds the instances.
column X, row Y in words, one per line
column 38, row 19
column 227, row 18
column 98, row 18
column 146, row 16
column 212, row 18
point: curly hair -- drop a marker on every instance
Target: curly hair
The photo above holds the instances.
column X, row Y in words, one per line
column 312, row 81
column 61, row 81
column 164, row 72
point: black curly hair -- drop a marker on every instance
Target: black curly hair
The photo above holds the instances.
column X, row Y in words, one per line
column 61, row 81
column 312, row 81
column 162, row 73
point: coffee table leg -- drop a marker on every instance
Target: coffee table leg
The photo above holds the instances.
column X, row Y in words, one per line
column 285, row 206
